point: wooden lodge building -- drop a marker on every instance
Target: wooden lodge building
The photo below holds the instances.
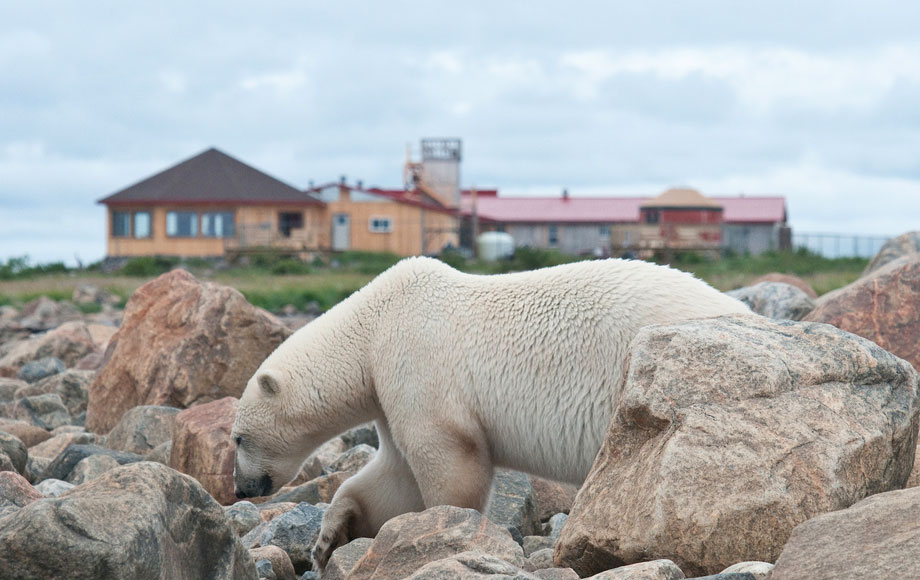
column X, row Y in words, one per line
column 213, row 205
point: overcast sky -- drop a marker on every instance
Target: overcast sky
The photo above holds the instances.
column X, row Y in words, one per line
column 818, row 101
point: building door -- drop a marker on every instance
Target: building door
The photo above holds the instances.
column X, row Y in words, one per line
column 341, row 232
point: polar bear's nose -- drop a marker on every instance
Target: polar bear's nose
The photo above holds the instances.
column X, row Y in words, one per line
column 254, row 487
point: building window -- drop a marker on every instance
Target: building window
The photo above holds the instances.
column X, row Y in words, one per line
column 182, row 224
column 553, row 235
column 380, row 225
column 121, row 224
column 289, row 220
column 652, row 216
column 142, row 224
column 217, row 224
column 604, row 232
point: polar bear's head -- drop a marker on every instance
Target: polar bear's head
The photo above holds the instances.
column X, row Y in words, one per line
column 269, row 446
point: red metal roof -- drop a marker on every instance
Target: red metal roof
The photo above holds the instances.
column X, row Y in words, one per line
column 556, row 209
column 737, row 209
column 752, row 209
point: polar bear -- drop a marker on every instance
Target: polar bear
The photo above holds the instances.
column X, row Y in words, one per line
column 461, row 373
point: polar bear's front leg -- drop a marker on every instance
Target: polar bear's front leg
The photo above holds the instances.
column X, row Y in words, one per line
column 452, row 466
column 383, row 489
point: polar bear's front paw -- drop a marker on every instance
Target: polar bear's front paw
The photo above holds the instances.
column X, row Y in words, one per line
column 333, row 533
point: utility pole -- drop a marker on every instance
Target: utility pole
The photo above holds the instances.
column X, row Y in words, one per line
column 475, row 220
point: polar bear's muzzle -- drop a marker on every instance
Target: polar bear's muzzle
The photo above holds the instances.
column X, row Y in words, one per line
column 252, row 487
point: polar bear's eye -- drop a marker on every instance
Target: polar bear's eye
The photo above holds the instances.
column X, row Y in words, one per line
column 238, row 440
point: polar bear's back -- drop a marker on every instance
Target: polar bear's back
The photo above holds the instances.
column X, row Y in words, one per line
column 534, row 357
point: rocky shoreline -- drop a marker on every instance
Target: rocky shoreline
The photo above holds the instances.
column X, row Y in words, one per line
column 741, row 448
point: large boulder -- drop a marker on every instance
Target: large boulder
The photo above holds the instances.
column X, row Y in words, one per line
column 898, row 247
column 69, row 342
column 883, row 307
column 878, row 537
column 729, row 432
column 775, row 300
column 137, row 522
column 410, row 541
column 202, row 448
column 182, row 343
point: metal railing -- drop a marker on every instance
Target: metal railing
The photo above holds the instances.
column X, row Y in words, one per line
column 839, row 245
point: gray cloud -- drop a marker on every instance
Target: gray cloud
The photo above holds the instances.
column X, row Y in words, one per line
column 815, row 101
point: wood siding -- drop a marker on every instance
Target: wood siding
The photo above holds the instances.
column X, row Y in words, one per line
column 259, row 223
column 409, row 225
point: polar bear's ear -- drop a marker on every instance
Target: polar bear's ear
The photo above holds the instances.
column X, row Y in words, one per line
column 269, row 383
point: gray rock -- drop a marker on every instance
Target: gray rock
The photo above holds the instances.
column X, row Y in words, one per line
column 35, row 467
column 161, row 453
column 878, row 537
column 243, row 516
column 539, row 559
column 472, row 565
column 898, row 247
column 533, row 544
column 6, row 464
column 294, row 531
column 53, row 487
column 654, row 570
column 15, row 450
column 776, row 300
column 8, row 313
column 89, row 468
column 92, row 294
column 353, row 460
column 46, row 411
column 363, row 434
column 143, row 428
column 73, row 387
column 728, row 576
column 408, row 542
column 310, row 575
column 318, row 490
column 64, row 464
column 344, row 558
column 44, row 313
column 556, row 574
column 759, row 570
column 553, row 527
column 512, row 503
column 15, row 493
column 264, row 569
column 8, row 388
column 36, row 370
column 142, row 521
column 767, row 424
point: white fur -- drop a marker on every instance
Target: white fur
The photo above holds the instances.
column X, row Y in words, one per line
column 462, row 373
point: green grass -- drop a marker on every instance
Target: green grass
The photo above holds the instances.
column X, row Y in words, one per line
column 823, row 274
column 275, row 281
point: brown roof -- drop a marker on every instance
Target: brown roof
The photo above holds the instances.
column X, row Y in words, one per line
column 682, row 198
column 210, row 178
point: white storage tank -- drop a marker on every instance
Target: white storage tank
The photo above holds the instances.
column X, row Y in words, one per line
column 495, row 245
